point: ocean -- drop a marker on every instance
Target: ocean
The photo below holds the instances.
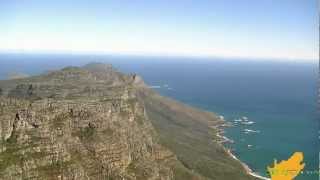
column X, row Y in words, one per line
column 279, row 97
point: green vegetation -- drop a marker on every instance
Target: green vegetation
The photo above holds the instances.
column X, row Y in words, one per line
column 185, row 131
column 87, row 133
column 139, row 169
column 181, row 173
column 10, row 156
column 140, row 120
column 66, row 129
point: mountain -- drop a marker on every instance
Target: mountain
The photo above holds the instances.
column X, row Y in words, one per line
column 93, row 122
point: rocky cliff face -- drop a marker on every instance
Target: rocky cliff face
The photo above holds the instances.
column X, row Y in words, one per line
column 78, row 123
column 81, row 123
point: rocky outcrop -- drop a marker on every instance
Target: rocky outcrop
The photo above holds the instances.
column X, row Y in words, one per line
column 78, row 123
column 78, row 139
column 82, row 123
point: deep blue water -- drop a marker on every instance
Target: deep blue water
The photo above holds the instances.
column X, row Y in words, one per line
column 281, row 97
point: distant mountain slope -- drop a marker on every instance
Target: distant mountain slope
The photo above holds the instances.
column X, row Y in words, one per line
column 186, row 131
column 96, row 123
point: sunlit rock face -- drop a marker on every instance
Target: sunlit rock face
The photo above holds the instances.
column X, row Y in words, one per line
column 94, row 122
column 78, row 123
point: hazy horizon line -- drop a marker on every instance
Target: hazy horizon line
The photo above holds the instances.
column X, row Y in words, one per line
column 159, row 55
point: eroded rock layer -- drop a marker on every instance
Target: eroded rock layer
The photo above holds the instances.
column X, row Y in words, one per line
column 84, row 123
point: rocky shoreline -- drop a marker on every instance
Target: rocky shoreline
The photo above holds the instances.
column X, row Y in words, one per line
column 95, row 122
column 223, row 139
column 247, row 168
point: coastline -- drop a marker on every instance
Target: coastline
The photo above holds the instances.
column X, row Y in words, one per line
column 223, row 140
column 246, row 167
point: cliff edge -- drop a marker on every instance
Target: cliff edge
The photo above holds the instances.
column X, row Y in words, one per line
column 93, row 122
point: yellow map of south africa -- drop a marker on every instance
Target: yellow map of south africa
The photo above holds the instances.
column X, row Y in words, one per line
column 287, row 170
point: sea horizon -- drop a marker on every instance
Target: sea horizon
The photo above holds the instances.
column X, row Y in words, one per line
column 278, row 97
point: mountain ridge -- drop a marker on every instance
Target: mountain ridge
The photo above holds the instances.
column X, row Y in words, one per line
column 93, row 122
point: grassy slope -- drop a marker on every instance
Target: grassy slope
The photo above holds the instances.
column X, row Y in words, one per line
column 185, row 131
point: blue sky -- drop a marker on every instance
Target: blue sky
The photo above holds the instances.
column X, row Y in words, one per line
column 283, row 29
